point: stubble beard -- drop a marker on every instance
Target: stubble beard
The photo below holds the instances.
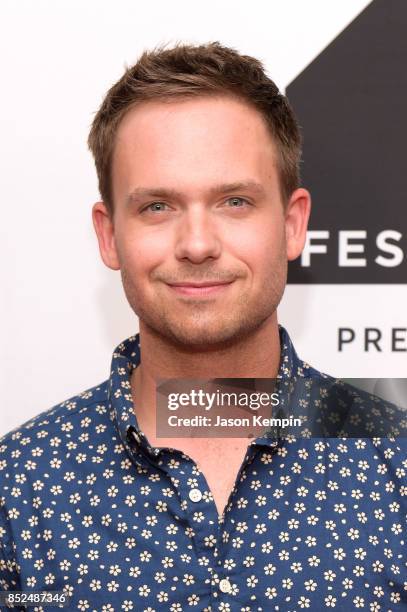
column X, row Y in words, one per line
column 200, row 325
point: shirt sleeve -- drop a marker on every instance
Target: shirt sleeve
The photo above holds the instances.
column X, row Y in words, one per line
column 9, row 574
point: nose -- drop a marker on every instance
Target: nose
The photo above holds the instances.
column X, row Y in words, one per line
column 197, row 237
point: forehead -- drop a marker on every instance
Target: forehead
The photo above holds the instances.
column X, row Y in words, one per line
column 197, row 139
column 195, row 116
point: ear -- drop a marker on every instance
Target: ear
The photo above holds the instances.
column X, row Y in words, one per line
column 296, row 222
column 104, row 228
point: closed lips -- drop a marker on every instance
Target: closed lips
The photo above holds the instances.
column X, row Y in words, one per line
column 206, row 284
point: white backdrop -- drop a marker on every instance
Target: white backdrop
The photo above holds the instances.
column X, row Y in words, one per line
column 62, row 311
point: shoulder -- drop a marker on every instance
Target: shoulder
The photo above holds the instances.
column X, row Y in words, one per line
column 348, row 407
column 29, row 458
column 55, row 422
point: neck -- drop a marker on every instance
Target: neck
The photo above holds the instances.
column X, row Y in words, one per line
column 257, row 356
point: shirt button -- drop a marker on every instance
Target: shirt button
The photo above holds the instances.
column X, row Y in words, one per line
column 195, row 495
column 225, row 585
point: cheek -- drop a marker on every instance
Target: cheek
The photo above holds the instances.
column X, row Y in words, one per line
column 141, row 252
column 258, row 245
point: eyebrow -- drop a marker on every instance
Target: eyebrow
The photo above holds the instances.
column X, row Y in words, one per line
column 159, row 192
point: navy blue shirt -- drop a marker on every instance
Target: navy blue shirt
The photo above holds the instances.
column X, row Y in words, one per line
column 87, row 506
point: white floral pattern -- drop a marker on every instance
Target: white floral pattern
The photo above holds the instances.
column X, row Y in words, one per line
column 310, row 524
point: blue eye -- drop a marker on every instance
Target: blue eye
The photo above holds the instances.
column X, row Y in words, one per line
column 236, row 202
column 161, row 204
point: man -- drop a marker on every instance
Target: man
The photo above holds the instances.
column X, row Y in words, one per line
column 197, row 155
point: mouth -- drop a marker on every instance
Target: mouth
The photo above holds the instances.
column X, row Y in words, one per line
column 199, row 289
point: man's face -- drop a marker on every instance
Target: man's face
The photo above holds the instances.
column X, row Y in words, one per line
column 205, row 208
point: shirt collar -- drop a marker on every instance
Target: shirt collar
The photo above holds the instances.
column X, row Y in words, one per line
column 126, row 357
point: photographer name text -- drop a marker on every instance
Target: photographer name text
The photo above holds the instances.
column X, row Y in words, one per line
column 255, row 420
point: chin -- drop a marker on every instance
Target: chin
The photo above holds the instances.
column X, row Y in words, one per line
column 206, row 336
column 202, row 331
column 203, row 338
